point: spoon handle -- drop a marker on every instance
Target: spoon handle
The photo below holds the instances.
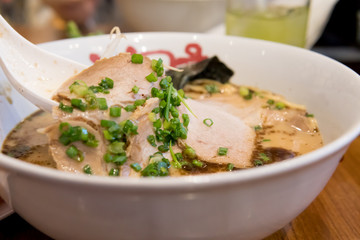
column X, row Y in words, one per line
column 32, row 71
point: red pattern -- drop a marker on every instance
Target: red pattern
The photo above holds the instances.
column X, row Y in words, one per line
column 193, row 51
column 94, row 57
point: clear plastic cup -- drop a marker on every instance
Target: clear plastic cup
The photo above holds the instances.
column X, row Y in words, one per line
column 283, row 21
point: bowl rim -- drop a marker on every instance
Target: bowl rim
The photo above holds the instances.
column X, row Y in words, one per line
column 197, row 181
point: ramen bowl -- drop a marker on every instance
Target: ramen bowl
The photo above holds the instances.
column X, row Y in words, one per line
column 247, row 204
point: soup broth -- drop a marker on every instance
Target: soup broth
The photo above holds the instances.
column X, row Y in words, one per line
column 123, row 116
column 288, row 132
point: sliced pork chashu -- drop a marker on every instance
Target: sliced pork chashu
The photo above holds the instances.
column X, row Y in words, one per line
column 93, row 156
column 122, row 71
column 125, row 75
column 289, row 128
column 227, row 131
column 139, row 149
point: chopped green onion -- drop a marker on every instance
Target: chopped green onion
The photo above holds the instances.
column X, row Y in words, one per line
column 257, row 127
column 96, row 89
column 91, row 141
column 116, row 147
column 74, row 153
column 115, row 111
column 108, row 157
column 136, row 167
column 79, row 88
column 151, row 77
column 166, row 125
column 245, row 93
column 157, row 66
column 114, row 172
column 139, row 102
column 102, row 103
column 230, row 167
column 270, row 102
column 137, row 58
column 174, row 112
column 175, row 161
column 160, row 94
column 92, row 101
column 309, row 115
column 151, row 139
column 130, row 128
column 164, row 83
column 135, row 89
column 181, row 93
column 154, row 92
column 83, row 133
column 189, row 153
column 258, row 162
column 163, row 148
column 179, row 156
column 157, row 124
column 77, row 103
column 208, row 122
column 71, row 134
column 64, row 127
column 107, row 83
column 266, row 140
column 264, row 157
column 186, row 119
column 108, row 136
column 167, row 108
column 197, row 163
column 64, row 139
column 107, row 123
column 280, row 105
column 119, row 159
column 151, row 170
column 130, row 108
column 87, row 169
column 114, row 129
column 65, row 108
column 156, row 157
column 156, row 110
column 182, row 132
column 158, row 166
column 212, row 88
column 222, row 151
column 66, row 136
column 162, row 104
column 152, row 116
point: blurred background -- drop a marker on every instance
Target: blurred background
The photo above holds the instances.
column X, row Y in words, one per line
column 96, row 16
column 47, row 20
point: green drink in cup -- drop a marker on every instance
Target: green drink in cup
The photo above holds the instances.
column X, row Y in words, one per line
column 283, row 21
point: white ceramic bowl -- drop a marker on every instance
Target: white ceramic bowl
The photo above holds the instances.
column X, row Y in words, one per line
column 170, row 15
column 249, row 204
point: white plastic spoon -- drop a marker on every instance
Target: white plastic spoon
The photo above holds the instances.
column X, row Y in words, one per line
column 34, row 72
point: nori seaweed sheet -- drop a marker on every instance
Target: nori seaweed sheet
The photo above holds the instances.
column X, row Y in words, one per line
column 211, row 68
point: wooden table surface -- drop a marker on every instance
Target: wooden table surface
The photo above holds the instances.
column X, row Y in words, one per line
column 334, row 214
